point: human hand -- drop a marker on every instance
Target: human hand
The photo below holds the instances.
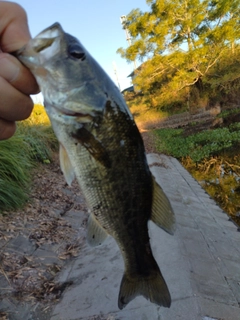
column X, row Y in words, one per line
column 16, row 81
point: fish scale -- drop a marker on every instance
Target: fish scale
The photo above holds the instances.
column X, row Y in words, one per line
column 101, row 146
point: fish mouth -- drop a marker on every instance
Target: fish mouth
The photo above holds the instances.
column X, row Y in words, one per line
column 41, row 48
column 85, row 117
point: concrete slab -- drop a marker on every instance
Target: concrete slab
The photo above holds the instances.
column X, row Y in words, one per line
column 200, row 263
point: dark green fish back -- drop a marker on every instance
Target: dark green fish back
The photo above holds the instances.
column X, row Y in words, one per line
column 114, row 174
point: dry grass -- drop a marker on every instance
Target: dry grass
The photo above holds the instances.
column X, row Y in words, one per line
column 144, row 115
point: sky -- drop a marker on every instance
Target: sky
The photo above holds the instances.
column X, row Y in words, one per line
column 96, row 23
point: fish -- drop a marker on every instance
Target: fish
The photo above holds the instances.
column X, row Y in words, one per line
column 101, row 146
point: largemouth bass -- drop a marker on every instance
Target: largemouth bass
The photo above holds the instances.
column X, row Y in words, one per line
column 101, row 146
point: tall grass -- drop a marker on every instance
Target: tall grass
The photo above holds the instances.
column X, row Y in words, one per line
column 34, row 141
column 36, row 131
column 15, row 165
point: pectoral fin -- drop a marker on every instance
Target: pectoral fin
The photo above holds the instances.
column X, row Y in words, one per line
column 66, row 165
column 95, row 233
column 162, row 212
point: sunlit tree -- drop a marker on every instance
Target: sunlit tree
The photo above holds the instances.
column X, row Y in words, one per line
column 179, row 41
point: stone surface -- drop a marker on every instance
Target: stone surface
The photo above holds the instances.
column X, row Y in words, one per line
column 200, row 263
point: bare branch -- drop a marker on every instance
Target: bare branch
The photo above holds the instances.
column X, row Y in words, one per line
column 188, row 84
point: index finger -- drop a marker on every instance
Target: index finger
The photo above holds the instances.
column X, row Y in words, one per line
column 13, row 27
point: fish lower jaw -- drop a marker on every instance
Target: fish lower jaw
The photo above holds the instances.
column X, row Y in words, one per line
column 66, row 113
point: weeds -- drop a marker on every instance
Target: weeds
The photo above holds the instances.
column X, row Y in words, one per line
column 199, row 146
column 34, row 141
column 226, row 113
column 212, row 157
column 220, row 177
column 15, row 165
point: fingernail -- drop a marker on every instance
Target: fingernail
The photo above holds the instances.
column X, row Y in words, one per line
column 8, row 70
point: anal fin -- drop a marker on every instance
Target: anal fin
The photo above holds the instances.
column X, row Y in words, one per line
column 95, row 232
column 162, row 212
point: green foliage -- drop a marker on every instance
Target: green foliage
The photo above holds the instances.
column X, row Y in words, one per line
column 15, row 165
column 226, row 113
column 182, row 43
column 33, row 141
column 41, row 141
column 198, row 146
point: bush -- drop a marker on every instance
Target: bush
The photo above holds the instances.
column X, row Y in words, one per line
column 34, row 141
column 198, row 146
column 15, row 165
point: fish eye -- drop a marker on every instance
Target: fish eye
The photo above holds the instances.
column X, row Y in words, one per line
column 76, row 51
column 77, row 55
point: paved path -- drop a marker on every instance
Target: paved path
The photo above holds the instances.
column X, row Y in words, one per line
column 200, row 263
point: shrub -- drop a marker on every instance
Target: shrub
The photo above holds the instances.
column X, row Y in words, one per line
column 34, row 141
column 198, row 146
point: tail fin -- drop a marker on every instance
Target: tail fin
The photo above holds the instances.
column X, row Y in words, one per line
column 152, row 287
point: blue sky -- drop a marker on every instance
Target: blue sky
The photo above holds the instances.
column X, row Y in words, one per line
column 96, row 23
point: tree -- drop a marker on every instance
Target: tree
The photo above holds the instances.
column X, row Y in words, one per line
column 179, row 41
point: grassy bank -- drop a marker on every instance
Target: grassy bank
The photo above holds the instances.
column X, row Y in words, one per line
column 212, row 156
column 32, row 143
column 199, row 146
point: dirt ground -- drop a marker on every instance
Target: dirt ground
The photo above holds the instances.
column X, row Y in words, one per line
column 37, row 241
